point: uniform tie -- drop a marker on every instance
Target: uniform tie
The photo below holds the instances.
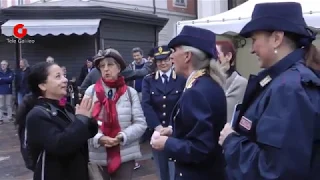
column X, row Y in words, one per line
column 165, row 77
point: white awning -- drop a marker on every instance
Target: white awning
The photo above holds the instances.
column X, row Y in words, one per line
column 54, row 27
column 232, row 21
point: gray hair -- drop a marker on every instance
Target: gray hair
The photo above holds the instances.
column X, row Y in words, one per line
column 25, row 62
column 5, row 61
column 50, row 58
column 200, row 60
column 137, row 49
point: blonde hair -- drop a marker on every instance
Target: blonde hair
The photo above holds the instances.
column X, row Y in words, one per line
column 200, row 60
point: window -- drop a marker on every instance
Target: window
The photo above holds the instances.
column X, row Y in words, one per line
column 180, row 3
column 235, row 3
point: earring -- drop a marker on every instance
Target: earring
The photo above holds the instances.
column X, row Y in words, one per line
column 275, row 51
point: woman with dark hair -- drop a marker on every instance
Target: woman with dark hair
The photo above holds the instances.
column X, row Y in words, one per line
column 276, row 132
column 57, row 138
column 235, row 83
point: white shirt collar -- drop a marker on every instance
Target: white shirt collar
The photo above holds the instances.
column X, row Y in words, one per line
column 168, row 73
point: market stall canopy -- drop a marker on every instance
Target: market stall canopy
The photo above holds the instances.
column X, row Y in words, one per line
column 231, row 22
column 54, row 27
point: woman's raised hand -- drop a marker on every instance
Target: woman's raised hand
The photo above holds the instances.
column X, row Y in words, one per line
column 84, row 107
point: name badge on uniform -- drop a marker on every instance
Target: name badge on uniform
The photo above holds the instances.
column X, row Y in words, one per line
column 265, row 81
column 245, row 123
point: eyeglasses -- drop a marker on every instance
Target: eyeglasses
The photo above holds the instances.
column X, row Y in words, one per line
column 163, row 60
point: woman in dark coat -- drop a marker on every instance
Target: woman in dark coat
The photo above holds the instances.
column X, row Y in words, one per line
column 275, row 134
column 56, row 135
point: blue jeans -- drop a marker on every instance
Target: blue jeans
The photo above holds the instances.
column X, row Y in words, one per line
column 165, row 167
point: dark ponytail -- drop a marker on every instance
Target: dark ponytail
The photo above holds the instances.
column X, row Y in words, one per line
column 312, row 57
column 27, row 104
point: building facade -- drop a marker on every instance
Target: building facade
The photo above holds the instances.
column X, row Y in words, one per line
column 208, row 8
column 174, row 10
column 82, row 27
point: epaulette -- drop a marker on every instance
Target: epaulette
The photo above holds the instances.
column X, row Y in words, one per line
column 151, row 74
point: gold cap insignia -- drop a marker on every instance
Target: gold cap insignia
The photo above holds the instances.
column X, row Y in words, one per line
column 160, row 50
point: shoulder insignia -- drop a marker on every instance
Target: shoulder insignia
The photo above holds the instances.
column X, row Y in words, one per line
column 150, row 75
column 191, row 81
column 174, row 74
column 157, row 75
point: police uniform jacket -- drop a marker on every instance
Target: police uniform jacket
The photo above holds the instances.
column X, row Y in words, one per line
column 278, row 125
column 198, row 119
column 158, row 100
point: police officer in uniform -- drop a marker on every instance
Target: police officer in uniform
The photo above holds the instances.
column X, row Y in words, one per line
column 276, row 132
column 160, row 92
column 201, row 112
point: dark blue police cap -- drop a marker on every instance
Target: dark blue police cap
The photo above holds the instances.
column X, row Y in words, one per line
column 279, row 16
column 161, row 52
column 199, row 38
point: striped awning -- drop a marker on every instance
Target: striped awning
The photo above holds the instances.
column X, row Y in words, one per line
column 54, row 27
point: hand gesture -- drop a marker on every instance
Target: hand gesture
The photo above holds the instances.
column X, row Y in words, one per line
column 84, row 107
column 108, row 141
column 158, row 144
column 158, row 128
column 225, row 132
column 167, row 131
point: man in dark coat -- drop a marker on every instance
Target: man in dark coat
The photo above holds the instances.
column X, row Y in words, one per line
column 21, row 76
column 85, row 70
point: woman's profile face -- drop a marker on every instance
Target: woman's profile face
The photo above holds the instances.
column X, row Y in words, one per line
column 263, row 47
column 224, row 59
column 55, row 86
column 109, row 69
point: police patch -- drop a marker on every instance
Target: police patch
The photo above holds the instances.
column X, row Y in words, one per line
column 245, row 123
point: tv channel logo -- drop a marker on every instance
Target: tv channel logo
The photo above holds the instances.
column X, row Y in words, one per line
column 19, row 31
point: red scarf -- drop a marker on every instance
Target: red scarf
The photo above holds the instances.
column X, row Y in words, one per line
column 110, row 124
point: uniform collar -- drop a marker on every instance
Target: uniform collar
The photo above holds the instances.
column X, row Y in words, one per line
column 190, row 75
column 272, row 72
column 168, row 73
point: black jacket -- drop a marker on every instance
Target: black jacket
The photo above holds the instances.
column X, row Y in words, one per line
column 83, row 73
column 63, row 136
column 21, row 82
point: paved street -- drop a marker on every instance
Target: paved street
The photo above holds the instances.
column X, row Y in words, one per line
column 12, row 165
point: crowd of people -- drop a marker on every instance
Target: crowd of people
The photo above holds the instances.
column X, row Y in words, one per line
column 207, row 121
